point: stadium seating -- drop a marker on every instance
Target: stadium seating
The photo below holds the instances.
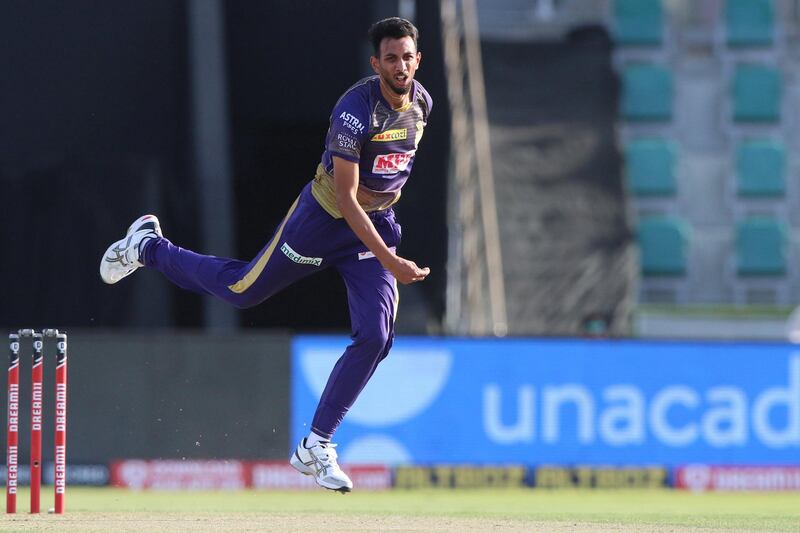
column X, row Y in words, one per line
column 663, row 244
column 756, row 93
column 761, row 247
column 646, row 93
column 749, row 23
column 760, row 168
column 650, row 167
column 638, row 22
column 709, row 148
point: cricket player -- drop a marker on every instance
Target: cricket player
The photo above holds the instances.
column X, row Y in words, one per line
column 342, row 219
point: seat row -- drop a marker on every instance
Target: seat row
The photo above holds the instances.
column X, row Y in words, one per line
column 648, row 93
column 745, row 23
column 760, row 246
column 759, row 167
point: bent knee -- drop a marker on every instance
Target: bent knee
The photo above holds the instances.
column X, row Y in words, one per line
column 374, row 340
column 243, row 301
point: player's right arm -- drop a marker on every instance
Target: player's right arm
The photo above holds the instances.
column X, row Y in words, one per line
column 345, row 179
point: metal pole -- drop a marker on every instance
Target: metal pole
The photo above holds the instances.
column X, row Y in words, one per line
column 211, row 143
column 494, row 257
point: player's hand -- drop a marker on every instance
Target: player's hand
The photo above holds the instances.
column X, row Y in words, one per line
column 406, row 271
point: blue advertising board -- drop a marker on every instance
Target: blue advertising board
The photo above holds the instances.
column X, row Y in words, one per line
column 533, row 401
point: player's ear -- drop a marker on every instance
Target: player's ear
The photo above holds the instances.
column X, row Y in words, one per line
column 419, row 58
column 373, row 62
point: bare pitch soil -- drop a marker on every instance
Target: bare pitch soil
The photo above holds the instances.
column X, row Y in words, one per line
column 140, row 522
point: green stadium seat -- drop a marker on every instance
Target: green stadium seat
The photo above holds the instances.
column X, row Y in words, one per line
column 756, row 94
column 646, row 93
column 760, row 168
column 650, row 167
column 663, row 244
column 749, row 22
column 638, row 22
column 760, row 247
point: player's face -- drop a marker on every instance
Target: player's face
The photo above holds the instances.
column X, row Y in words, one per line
column 397, row 63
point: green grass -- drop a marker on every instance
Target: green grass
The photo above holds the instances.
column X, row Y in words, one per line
column 752, row 511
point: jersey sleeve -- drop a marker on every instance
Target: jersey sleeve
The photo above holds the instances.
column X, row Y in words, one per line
column 349, row 127
column 427, row 101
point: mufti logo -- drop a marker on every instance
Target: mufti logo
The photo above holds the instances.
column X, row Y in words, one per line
column 391, row 163
column 352, row 123
column 391, row 135
column 297, row 258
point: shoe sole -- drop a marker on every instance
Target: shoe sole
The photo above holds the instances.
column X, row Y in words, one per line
column 141, row 220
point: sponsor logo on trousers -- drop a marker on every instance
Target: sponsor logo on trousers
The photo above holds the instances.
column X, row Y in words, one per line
column 370, row 255
column 297, row 258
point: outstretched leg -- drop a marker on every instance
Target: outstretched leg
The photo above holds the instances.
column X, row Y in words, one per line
column 292, row 253
column 240, row 283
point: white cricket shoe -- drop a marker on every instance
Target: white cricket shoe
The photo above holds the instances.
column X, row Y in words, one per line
column 122, row 257
column 320, row 461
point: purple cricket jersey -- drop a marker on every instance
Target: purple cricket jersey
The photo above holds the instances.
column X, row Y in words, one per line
column 366, row 130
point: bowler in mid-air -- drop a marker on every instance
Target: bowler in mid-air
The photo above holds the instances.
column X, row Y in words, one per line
column 343, row 219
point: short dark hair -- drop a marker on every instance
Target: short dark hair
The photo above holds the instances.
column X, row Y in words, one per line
column 394, row 28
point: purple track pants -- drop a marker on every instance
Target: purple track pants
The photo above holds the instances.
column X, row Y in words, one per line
column 307, row 241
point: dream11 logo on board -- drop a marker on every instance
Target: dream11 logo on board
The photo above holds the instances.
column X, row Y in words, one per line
column 720, row 416
column 386, row 400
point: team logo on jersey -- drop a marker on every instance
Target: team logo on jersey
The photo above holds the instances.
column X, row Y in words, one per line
column 391, row 163
column 390, row 135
